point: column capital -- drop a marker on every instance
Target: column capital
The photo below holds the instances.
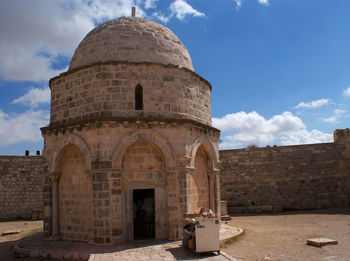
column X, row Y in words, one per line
column 171, row 170
column 89, row 173
column 54, row 176
column 213, row 173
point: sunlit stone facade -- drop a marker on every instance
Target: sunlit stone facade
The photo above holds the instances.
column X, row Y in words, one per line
column 130, row 146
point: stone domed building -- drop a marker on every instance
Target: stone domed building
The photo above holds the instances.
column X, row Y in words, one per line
column 130, row 147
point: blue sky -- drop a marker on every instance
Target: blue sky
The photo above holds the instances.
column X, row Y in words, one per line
column 279, row 68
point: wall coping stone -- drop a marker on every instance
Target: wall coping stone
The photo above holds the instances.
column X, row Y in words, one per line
column 297, row 146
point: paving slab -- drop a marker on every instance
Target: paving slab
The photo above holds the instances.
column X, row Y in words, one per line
column 321, row 241
column 36, row 246
column 12, row 232
column 227, row 232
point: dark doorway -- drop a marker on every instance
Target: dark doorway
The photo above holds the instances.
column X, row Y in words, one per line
column 144, row 214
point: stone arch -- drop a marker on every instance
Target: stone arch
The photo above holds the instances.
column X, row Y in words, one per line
column 199, row 180
column 203, row 141
column 133, row 159
column 74, row 195
column 71, row 139
column 148, row 135
column 144, row 178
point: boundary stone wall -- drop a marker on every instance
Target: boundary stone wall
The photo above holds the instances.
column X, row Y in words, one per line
column 21, row 187
column 286, row 178
column 252, row 180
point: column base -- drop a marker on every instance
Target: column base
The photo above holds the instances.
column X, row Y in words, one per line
column 54, row 238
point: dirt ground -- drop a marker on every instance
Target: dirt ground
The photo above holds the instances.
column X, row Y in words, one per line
column 283, row 237
column 6, row 242
column 267, row 237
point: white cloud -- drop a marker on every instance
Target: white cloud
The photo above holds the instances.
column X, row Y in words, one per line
column 37, row 27
column 34, row 97
column 20, row 64
column 40, row 32
column 238, row 3
column 23, row 127
column 150, row 4
column 180, row 8
column 243, row 129
column 306, row 137
column 254, row 122
column 347, row 92
column 161, row 17
column 102, row 10
column 313, row 104
column 50, row 27
column 335, row 118
column 285, row 122
column 264, row 2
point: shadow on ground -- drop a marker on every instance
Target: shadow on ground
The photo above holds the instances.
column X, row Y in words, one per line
column 182, row 253
column 37, row 245
column 7, row 253
column 340, row 211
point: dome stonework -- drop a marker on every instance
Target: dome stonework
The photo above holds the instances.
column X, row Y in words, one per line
column 131, row 39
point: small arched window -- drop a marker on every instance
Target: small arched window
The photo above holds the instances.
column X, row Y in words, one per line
column 138, row 97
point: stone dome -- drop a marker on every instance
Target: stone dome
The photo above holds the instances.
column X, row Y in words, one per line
column 131, row 39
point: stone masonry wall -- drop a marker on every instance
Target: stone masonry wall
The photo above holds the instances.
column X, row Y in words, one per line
column 199, row 196
column 21, row 186
column 74, row 197
column 124, row 156
column 285, row 178
column 108, row 90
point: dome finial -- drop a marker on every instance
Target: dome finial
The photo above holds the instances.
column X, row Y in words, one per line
column 133, row 11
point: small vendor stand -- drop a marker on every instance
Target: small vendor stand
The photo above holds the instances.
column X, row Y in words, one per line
column 201, row 234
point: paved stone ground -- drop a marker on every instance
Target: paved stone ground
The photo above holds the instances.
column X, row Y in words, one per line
column 228, row 231
column 158, row 251
column 36, row 247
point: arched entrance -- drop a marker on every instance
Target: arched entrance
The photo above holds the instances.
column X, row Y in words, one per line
column 199, row 195
column 74, row 196
column 145, row 198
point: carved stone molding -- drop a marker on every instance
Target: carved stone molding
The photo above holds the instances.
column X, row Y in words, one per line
column 54, row 176
column 89, row 173
column 213, row 173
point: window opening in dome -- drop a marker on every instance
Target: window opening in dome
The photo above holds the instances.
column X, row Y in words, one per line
column 138, row 97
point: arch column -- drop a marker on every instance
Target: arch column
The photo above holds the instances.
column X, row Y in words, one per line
column 212, row 177
column 214, row 191
column 54, row 177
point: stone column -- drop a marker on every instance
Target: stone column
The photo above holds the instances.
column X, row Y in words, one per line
column 214, row 191
column 174, row 213
column 186, row 191
column 212, row 177
column 218, row 194
column 128, row 231
column 54, row 179
column 90, row 175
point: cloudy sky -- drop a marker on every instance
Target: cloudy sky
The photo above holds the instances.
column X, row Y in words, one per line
column 280, row 69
